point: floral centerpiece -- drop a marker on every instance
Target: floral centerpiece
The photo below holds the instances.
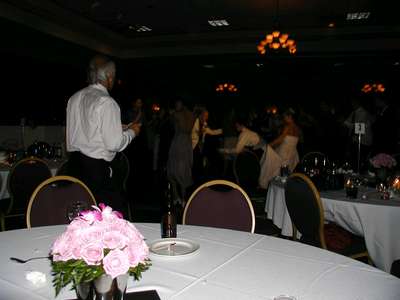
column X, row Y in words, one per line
column 98, row 243
column 382, row 162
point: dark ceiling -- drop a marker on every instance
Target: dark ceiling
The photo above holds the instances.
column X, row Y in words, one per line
column 181, row 27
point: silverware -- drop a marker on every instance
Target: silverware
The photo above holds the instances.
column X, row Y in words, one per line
column 22, row 261
column 164, row 246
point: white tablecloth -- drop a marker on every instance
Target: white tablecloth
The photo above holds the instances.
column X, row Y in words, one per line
column 229, row 265
column 377, row 220
column 5, row 171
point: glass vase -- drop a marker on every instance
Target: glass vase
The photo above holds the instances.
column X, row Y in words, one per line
column 107, row 288
column 381, row 175
column 103, row 288
column 84, row 291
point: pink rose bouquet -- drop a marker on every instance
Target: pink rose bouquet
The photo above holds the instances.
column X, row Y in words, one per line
column 98, row 242
column 383, row 160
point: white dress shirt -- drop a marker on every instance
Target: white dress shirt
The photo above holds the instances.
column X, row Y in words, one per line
column 94, row 124
column 247, row 138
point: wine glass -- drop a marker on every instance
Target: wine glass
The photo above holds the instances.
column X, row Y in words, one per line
column 74, row 209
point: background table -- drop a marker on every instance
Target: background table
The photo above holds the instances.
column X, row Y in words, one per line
column 377, row 220
column 229, row 265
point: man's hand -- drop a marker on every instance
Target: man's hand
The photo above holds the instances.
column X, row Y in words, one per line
column 125, row 126
column 135, row 127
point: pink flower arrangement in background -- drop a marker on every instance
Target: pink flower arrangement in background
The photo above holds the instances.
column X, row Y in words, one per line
column 383, row 160
column 103, row 242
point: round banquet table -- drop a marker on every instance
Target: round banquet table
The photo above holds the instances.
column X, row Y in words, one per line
column 377, row 220
column 229, row 265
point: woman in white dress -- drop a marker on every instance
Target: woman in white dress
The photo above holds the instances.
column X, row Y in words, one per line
column 281, row 151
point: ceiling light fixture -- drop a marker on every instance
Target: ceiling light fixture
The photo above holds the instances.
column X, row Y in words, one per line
column 226, row 87
column 358, row 15
column 140, row 28
column 218, row 23
column 373, row 88
column 277, row 40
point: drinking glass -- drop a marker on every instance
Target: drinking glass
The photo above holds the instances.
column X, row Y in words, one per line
column 74, row 209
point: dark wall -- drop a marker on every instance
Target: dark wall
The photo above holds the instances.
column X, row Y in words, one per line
column 39, row 73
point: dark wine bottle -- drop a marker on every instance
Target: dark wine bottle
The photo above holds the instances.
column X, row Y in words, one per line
column 168, row 220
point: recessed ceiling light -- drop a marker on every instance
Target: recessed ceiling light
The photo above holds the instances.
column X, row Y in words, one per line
column 259, row 65
column 358, row 15
column 95, row 4
column 331, row 25
column 218, row 23
column 140, row 28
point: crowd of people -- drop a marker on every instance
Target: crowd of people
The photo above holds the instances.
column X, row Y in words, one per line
column 181, row 145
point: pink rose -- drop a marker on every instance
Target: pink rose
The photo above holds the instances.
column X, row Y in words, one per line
column 113, row 240
column 78, row 224
column 117, row 225
column 92, row 254
column 62, row 247
column 137, row 253
column 93, row 234
column 132, row 232
column 116, row 263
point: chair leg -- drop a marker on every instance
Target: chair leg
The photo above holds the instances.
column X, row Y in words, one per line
column 2, row 223
column 361, row 255
column 370, row 262
column 294, row 233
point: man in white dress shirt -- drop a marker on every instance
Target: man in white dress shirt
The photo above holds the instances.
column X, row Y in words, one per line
column 247, row 138
column 94, row 133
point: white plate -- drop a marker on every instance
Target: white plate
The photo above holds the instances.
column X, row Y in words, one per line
column 173, row 247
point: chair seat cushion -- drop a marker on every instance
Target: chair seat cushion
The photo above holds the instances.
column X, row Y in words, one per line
column 341, row 241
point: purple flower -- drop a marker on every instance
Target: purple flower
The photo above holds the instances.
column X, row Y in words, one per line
column 91, row 216
column 118, row 214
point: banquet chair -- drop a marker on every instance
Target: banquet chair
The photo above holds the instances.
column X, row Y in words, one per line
column 24, row 177
column 51, row 200
column 120, row 173
column 221, row 204
column 395, row 268
column 246, row 169
column 306, row 212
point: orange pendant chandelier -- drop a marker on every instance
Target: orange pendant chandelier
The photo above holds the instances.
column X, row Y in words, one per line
column 276, row 40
